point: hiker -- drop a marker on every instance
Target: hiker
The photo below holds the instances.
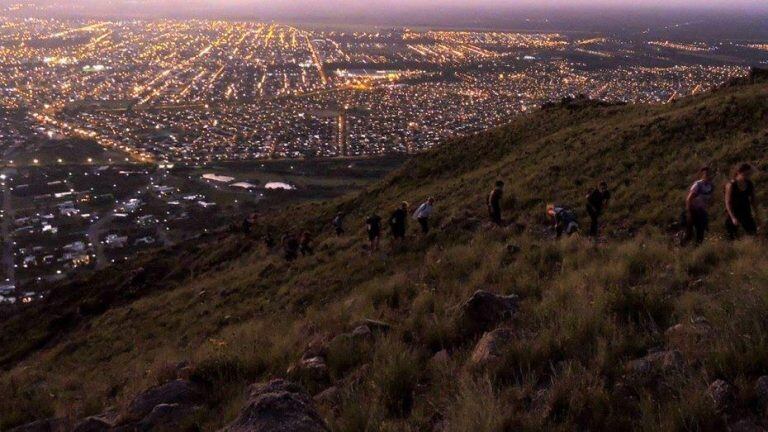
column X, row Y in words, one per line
column 305, row 244
column 290, row 247
column 740, row 203
column 398, row 222
column 597, row 200
column 696, row 216
column 247, row 224
column 494, row 202
column 373, row 226
column 269, row 241
column 423, row 213
column 338, row 223
column 564, row 219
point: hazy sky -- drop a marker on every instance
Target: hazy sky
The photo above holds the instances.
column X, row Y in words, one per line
column 363, row 6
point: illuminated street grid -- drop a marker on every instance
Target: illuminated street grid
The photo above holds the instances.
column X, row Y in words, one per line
column 196, row 91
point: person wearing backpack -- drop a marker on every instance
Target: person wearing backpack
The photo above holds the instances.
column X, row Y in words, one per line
column 564, row 219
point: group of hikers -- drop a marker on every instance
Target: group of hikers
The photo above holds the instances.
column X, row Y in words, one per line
column 398, row 222
column 740, row 206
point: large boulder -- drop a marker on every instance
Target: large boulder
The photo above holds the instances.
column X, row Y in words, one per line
column 491, row 347
column 484, row 310
column 180, row 392
column 278, row 406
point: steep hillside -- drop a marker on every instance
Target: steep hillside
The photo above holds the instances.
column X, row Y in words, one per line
column 625, row 334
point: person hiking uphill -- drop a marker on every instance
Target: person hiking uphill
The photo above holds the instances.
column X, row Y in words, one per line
column 398, row 222
column 597, row 200
column 373, row 227
column 423, row 213
column 564, row 219
column 494, row 202
column 290, row 247
column 740, row 203
column 697, row 202
column 338, row 223
column 305, row 244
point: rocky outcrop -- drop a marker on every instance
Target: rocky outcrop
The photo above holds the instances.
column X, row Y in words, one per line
column 484, row 310
column 278, row 406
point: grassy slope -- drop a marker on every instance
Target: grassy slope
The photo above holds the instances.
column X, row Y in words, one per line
column 241, row 315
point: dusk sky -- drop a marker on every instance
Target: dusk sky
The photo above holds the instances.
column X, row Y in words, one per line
column 323, row 6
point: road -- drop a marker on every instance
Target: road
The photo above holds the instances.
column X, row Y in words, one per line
column 8, row 260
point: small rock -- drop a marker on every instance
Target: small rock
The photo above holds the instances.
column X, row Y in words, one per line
column 312, row 369
column 317, row 348
column 690, row 337
column 491, row 346
column 175, row 392
column 484, row 310
column 441, row 357
column 761, row 388
column 278, row 406
column 662, row 362
column 723, row 394
column 329, row 396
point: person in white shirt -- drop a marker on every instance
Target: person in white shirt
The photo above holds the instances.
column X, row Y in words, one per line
column 423, row 213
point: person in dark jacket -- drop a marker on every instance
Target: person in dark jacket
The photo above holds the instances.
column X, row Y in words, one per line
column 398, row 222
column 373, row 228
column 494, row 202
column 740, row 203
column 597, row 200
column 290, row 247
